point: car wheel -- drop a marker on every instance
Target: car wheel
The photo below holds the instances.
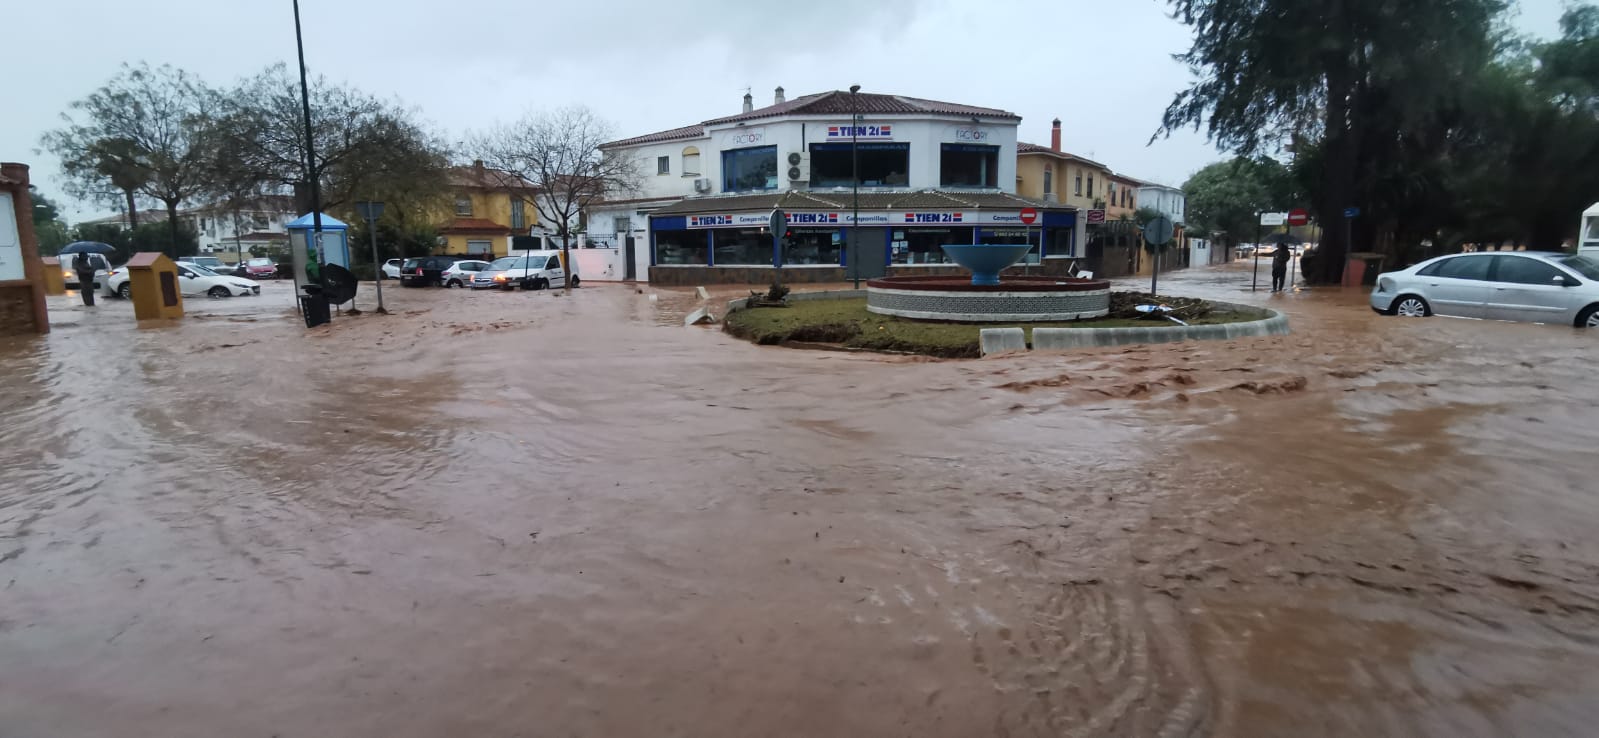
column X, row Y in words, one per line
column 1410, row 306
column 576, row 281
column 125, row 291
column 540, row 284
column 219, row 291
column 1589, row 317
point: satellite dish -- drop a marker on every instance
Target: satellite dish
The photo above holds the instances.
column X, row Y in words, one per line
column 338, row 284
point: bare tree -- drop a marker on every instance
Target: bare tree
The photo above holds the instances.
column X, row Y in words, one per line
column 367, row 148
column 147, row 130
column 558, row 153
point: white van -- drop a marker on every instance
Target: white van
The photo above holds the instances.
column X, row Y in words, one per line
column 101, row 266
column 533, row 270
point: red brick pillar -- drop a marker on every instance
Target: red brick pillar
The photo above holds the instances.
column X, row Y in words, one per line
column 22, row 308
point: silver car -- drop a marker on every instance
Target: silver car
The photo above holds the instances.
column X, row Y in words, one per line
column 1523, row 285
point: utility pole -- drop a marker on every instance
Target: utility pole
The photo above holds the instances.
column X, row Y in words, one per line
column 855, row 184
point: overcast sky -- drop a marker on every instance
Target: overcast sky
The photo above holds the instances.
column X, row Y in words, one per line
column 1103, row 67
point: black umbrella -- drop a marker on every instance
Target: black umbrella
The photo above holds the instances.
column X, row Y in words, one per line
column 1283, row 238
column 88, row 247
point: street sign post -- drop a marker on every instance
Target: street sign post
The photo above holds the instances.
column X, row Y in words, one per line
column 1158, row 232
column 1298, row 217
column 779, row 224
column 1028, row 215
column 1273, row 219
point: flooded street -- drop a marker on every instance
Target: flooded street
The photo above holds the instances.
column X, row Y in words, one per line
column 527, row 514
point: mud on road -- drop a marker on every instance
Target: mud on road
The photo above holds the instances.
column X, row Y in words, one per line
column 528, row 514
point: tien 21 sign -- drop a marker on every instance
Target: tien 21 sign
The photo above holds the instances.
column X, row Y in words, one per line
column 877, row 132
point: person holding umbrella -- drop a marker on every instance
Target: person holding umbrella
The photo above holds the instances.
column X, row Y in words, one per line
column 88, row 258
column 1279, row 266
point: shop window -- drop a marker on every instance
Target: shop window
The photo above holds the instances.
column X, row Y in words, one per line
column 967, row 165
column 881, row 164
column 1062, row 242
column 749, row 169
column 691, row 161
column 1009, row 236
column 679, row 247
column 463, row 205
column 925, row 245
column 814, row 246
column 742, row 247
column 663, row 165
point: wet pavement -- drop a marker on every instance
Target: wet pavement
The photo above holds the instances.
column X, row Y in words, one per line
column 528, row 514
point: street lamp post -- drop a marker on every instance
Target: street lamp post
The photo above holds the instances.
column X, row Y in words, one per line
column 370, row 212
column 855, row 183
column 310, row 142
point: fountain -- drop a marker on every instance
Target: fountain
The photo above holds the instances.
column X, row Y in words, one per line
column 987, row 297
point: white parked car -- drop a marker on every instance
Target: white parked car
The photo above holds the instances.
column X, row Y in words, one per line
column 1534, row 287
column 192, row 280
column 460, row 273
column 70, row 275
column 535, row 270
column 391, row 268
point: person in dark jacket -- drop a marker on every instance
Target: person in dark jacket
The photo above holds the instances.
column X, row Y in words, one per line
column 1279, row 266
column 85, row 266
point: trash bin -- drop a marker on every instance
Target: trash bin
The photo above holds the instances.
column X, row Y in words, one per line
column 314, row 305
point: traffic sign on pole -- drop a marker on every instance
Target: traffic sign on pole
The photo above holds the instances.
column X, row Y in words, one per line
column 1351, row 212
column 1298, row 217
column 1029, row 215
column 1273, row 219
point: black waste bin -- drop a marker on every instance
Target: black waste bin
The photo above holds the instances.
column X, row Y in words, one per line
column 314, row 305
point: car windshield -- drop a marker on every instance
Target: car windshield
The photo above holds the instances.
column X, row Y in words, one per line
column 411, row 263
column 260, row 262
column 1584, row 265
column 509, row 262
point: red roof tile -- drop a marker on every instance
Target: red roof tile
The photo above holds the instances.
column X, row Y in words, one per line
column 834, row 102
column 1032, row 148
column 475, row 227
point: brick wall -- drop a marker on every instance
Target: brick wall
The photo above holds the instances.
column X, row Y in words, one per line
column 16, row 311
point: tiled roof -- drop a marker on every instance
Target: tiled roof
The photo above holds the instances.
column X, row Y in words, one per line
column 478, row 176
column 813, row 200
column 1032, row 148
column 834, row 102
column 475, row 226
column 695, row 131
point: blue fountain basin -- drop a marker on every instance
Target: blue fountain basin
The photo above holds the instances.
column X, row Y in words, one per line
column 986, row 261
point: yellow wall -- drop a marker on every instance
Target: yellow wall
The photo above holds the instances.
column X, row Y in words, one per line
column 1114, row 210
column 486, row 205
column 1030, row 179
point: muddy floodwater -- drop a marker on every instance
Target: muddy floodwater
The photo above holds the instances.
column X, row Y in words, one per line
column 523, row 514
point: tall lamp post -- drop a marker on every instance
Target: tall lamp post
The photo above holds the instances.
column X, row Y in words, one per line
column 855, row 183
column 310, row 144
column 370, row 212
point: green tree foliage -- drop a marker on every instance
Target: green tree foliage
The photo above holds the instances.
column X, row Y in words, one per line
column 148, row 129
column 1225, row 199
column 1345, row 74
column 48, row 227
column 395, row 240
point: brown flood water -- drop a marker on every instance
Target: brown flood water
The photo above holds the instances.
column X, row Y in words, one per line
column 532, row 515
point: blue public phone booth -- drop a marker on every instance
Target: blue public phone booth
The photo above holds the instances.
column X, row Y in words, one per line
column 335, row 245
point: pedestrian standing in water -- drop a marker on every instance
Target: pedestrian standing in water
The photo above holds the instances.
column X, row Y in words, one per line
column 1279, row 266
column 85, row 268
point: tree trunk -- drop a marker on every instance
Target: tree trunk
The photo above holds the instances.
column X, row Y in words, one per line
column 172, row 228
column 1338, row 175
column 133, row 212
column 566, row 258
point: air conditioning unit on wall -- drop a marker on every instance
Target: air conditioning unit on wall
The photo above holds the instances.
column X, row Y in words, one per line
column 799, row 167
column 702, row 185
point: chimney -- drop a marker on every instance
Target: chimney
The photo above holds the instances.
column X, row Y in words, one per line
column 777, row 99
column 749, row 103
column 1054, row 136
column 477, row 164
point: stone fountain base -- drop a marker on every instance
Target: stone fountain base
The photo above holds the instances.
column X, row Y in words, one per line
column 1014, row 300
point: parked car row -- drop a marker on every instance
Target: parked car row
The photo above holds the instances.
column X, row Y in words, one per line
column 259, row 267
column 534, row 270
column 1521, row 286
column 193, row 280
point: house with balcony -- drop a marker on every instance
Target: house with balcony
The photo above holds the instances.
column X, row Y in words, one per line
column 890, row 177
column 487, row 208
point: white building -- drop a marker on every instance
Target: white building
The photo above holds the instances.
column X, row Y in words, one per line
column 259, row 223
column 1170, row 201
column 930, row 173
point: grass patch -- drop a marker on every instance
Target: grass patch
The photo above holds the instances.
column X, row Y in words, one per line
column 847, row 323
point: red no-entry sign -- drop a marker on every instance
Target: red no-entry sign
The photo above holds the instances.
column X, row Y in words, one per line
column 1029, row 215
column 1298, row 217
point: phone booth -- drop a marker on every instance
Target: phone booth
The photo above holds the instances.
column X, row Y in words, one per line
column 335, row 246
column 1588, row 237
